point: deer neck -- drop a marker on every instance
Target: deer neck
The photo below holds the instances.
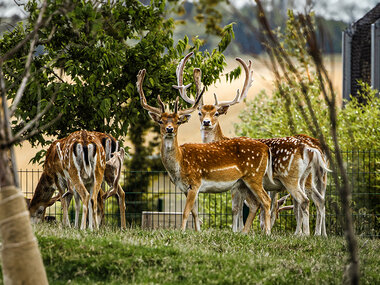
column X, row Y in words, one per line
column 212, row 134
column 171, row 156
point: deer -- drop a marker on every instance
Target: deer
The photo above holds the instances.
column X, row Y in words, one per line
column 52, row 179
column 211, row 167
column 293, row 159
column 114, row 162
column 83, row 161
column 112, row 176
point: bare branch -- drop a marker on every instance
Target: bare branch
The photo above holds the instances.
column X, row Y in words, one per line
column 16, row 140
column 24, row 81
column 35, row 120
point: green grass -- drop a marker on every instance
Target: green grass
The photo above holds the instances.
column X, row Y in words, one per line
column 135, row 256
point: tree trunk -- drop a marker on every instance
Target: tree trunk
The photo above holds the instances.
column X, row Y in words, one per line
column 20, row 255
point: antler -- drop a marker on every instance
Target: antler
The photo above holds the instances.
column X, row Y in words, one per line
column 247, row 84
column 197, row 74
column 144, row 104
column 198, row 99
column 191, row 109
column 179, row 72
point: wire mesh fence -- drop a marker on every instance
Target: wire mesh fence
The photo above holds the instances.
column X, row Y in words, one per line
column 152, row 193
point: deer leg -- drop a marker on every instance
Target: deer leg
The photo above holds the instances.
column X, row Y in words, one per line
column 65, row 206
column 77, row 209
column 263, row 198
column 94, row 199
column 273, row 210
column 194, row 211
column 322, row 184
column 85, row 197
column 121, row 194
column 68, row 199
column 274, row 207
column 253, row 205
column 305, row 207
column 190, row 200
column 297, row 217
column 237, row 209
column 319, row 202
column 301, row 205
column 101, row 203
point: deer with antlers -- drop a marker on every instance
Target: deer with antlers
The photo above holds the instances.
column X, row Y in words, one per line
column 293, row 159
column 213, row 167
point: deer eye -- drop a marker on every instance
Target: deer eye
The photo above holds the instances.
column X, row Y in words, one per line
column 199, row 113
column 216, row 114
column 160, row 122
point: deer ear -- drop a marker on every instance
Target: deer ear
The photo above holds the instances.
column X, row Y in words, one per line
column 122, row 152
column 184, row 119
column 155, row 117
column 223, row 110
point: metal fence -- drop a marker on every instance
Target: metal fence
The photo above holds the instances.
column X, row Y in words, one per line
column 360, row 53
column 152, row 191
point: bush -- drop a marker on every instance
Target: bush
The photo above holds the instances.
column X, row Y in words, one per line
column 358, row 124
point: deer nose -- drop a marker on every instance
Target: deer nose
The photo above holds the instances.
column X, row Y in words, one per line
column 169, row 129
column 206, row 122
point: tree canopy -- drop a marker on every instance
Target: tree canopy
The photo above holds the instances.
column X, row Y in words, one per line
column 87, row 59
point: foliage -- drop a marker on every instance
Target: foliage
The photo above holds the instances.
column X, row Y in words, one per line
column 267, row 117
column 216, row 209
column 214, row 256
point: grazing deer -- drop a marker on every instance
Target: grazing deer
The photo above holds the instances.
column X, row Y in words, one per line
column 213, row 167
column 112, row 175
column 293, row 159
column 52, row 179
column 84, row 162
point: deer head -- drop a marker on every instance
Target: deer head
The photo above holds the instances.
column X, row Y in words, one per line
column 170, row 121
column 209, row 114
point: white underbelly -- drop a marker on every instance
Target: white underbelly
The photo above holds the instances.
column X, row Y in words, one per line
column 208, row 186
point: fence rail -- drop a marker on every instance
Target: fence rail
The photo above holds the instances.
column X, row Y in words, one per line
column 152, row 191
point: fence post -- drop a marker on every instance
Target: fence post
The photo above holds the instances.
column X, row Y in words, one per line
column 375, row 55
column 346, row 58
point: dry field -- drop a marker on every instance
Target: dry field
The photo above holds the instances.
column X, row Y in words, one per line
column 226, row 91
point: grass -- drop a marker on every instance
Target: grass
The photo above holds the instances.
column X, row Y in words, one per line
column 136, row 256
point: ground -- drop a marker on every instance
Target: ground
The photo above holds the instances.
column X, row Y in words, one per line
column 214, row 256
